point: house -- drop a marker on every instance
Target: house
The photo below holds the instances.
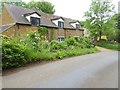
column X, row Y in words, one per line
column 18, row 21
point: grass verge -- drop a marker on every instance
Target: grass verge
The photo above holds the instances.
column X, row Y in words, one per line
column 113, row 46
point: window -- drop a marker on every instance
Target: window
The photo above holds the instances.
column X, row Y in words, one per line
column 60, row 39
column 35, row 21
column 77, row 26
column 60, row 24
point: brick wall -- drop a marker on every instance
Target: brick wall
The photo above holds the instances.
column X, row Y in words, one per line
column 19, row 30
column 22, row 30
column 73, row 33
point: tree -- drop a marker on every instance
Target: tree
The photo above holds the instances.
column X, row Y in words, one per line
column 99, row 13
column 110, row 28
column 82, row 23
column 12, row 2
column 118, row 27
column 43, row 6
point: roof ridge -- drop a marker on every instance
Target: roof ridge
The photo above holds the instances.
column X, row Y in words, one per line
column 17, row 12
column 19, row 6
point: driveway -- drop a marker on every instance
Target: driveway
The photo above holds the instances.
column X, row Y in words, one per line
column 98, row 70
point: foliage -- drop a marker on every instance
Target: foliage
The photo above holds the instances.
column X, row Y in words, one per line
column 100, row 12
column 75, row 52
column 117, row 18
column 51, row 35
column 71, row 41
column 85, row 42
column 12, row 54
column 118, row 21
column 18, row 3
column 34, row 48
column 55, row 45
column 82, row 23
column 42, row 31
column 110, row 28
column 43, row 6
column 109, row 45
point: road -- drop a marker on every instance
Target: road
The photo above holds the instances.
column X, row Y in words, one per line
column 98, row 70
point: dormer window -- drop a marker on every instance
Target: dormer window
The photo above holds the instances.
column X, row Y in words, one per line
column 60, row 24
column 77, row 26
column 35, row 21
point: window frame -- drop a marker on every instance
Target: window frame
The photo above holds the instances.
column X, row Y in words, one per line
column 77, row 26
column 35, row 18
column 61, row 39
column 60, row 24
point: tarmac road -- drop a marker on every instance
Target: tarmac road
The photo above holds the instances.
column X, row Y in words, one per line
column 98, row 70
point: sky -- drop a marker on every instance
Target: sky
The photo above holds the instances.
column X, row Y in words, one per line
column 73, row 8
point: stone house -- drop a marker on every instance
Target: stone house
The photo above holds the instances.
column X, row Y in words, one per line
column 18, row 21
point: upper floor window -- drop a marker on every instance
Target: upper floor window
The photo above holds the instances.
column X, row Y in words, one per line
column 35, row 21
column 60, row 24
column 77, row 26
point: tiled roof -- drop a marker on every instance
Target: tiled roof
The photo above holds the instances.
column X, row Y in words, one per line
column 5, row 27
column 17, row 13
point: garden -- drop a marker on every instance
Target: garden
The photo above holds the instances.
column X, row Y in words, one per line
column 34, row 48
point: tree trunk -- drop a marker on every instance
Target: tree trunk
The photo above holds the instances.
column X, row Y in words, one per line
column 100, row 35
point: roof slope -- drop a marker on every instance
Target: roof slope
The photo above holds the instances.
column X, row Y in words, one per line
column 17, row 13
column 5, row 27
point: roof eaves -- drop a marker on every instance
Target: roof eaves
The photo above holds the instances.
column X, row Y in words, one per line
column 7, row 26
column 57, row 18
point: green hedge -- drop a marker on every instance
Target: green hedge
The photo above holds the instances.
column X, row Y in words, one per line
column 12, row 54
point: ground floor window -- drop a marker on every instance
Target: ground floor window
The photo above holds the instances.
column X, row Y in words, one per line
column 61, row 39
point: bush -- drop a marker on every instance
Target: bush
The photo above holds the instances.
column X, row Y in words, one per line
column 85, row 42
column 55, row 45
column 12, row 54
column 71, row 41
column 32, row 48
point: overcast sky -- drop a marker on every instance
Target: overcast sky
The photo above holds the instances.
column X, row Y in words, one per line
column 73, row 8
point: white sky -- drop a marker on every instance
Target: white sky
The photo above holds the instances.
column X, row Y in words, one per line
column 73, row 8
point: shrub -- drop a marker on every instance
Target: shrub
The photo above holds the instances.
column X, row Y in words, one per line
column 60, row 54
column 55, row 45
column 32, row 48
column 71, row 41
column 12, row 54
column 85, row 42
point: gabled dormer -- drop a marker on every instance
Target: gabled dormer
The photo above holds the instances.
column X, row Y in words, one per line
column 34, row 18
column 75, row 24
column 59, row 22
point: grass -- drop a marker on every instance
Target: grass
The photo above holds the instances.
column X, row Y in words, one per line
column 63, row 53
column 113, row 46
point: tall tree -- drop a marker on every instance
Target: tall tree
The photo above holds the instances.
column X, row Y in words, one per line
column 118, row 27
column 43, row 6
column 99, row 13
column 110, row 28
